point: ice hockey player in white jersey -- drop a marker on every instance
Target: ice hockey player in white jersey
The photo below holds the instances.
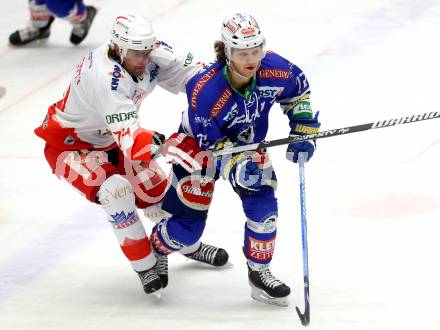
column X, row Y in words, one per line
column 95, row 142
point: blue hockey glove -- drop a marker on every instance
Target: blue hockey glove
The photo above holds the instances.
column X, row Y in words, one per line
column 302, row 126
column 250, row 171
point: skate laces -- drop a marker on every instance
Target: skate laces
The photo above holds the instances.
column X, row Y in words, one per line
column 162, row 265
column 268, row 279
column 205, row 253
column 148, row 276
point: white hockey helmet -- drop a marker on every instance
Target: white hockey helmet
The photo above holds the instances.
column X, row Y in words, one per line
column 133, row 32
column 241, row 31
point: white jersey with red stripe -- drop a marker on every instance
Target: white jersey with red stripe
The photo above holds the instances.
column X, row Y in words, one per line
column 100, row 106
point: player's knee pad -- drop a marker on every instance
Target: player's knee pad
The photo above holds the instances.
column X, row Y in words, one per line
column 175, row 233
column 117, row 198
column 65, row 9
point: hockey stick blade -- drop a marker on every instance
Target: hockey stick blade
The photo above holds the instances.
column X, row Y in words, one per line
column 325, row 134
column 304, row 318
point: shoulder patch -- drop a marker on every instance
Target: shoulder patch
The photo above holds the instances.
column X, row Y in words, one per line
column 199, row 86
column 220, row 103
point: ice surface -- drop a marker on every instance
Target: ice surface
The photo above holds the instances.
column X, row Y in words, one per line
column 373, row 198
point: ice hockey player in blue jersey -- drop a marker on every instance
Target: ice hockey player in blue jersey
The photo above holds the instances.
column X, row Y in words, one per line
column 42, row 15
column 229, row 101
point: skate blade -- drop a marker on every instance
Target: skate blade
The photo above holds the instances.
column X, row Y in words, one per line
column 262, row 296
column 228, row 265
column 157, row 295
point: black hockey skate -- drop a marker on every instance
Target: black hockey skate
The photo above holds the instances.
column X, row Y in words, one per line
column 267, row 288
column 150, row 280
column 210, row 255
column 28, row 34
column 162, row 269
column 81, row 29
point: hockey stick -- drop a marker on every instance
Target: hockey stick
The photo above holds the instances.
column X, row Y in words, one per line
column 305, row 318
column 230, row 149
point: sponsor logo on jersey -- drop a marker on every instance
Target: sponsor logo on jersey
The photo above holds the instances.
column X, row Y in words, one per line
column 138, row 98
column 189, row 59
column 118, row 117
column 220, row 103
column 274, row 74
column 77, row 77
column 260, row 250
column 165, row 44
column 154, row 72
column 269, row 92
column 90, row 59
column 199, row 86
column 195, row 192
column 116, row 75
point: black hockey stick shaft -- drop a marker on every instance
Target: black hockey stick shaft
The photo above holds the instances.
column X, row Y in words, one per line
column 333, row 132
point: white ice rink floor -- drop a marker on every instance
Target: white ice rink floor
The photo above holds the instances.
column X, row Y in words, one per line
column 373, row 198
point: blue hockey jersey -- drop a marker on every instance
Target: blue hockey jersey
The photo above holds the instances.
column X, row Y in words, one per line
column 217, row 111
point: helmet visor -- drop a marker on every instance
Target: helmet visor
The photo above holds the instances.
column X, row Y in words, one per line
column 250, row 55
